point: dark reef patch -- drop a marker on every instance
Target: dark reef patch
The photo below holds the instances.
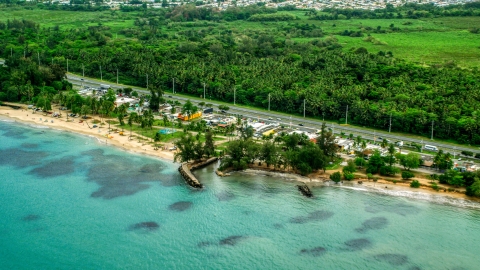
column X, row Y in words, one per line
column 231, row 240
column 63, row 166
column 375, row 223
column 31, row 217
column 29, row 145
column 151, row 168
column 225, row 196
column 315, row 252
column 16, row 133
column 358, row 244
column 319, row 215
column 21, row 158
column 392, row 259
column 278, row 226
column 180, row 206
column 121, row 176
column 148, row 226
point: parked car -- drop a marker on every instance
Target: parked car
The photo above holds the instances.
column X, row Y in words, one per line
column 300, row 124
column 173, row 148
column 94, row 126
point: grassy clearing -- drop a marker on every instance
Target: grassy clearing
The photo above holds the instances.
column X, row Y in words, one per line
column 424, row 41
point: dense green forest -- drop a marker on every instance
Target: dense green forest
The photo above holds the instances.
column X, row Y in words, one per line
column 195, row 46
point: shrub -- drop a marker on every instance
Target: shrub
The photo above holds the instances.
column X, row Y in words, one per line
column 407, row 175
column 371, row 169
column 415, row 184
column 360, row 162
column 435, row 186
column 467, row 153
column 350, row 168
column 335, row 177
column 369, row 176
column 348, row 176
column 387, row 170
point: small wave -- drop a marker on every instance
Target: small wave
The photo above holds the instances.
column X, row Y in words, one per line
column 38, row 126
column 7, row 120
column 418, row 195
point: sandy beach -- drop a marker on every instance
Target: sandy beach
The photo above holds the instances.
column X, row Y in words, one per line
column 74, row 125
column 123, row 142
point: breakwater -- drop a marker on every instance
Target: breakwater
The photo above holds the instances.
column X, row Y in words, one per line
column 186, row 169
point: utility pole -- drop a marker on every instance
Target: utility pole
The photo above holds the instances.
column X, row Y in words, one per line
column 431, row 138
column 117, row 75
column 203, row 90
column 346, row 116
column 174, row 85
column 304, row 103
column 101, row 77
column 268, row 101
column 390, row 126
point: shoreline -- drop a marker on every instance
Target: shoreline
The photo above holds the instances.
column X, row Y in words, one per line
column 380, row 187
column 122, row 142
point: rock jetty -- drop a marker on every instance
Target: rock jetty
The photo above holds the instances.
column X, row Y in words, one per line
column 305, row 190
column 186, row 169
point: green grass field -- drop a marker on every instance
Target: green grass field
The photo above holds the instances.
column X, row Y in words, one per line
column 423, row 41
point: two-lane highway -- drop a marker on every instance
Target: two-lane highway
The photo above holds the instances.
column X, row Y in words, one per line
column 293, row 121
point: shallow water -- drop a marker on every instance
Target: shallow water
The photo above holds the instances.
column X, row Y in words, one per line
column 69, row 202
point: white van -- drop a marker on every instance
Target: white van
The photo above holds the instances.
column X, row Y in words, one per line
column 430, row 147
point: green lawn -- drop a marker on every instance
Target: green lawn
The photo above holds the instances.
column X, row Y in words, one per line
column 424, row 41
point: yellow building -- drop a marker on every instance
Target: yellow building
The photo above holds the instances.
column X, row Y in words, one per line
column 192, row 116
column 267, row 133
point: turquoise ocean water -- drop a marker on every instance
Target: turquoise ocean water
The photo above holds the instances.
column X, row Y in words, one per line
column 69, row 202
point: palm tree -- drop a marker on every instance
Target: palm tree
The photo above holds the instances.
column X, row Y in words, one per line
column 384, row 143
column 363, row 146
column 165, row 120
column 131, row 119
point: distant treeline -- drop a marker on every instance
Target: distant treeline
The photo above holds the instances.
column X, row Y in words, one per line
column 409, row 10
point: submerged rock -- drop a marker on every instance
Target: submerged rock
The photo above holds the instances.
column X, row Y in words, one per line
column 319, row 215
column 315, row 252
column 358, row 244
column 374, row 223
column 305, row 190
column 146, row 226
column 180, row 206
column 392, row 259
column 31, row 217
column 231, row 240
